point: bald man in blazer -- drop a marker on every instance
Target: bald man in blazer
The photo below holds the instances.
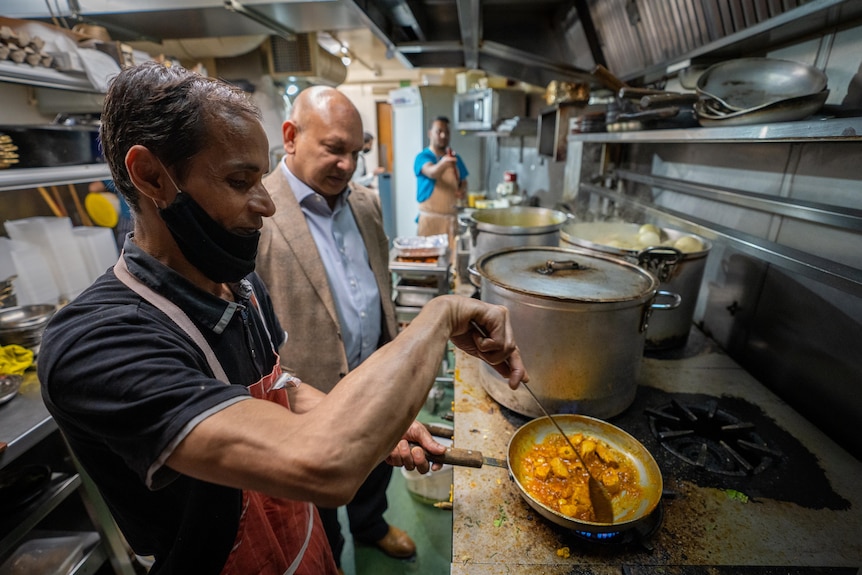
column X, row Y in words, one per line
column 324, row 258
column 294, row 273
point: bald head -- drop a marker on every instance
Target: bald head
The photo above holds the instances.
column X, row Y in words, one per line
column 325, row 104
column 322, row 139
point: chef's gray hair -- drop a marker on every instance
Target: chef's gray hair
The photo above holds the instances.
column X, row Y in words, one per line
column 167, row 109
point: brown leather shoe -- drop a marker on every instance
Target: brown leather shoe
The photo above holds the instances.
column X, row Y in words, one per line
column 397, row 544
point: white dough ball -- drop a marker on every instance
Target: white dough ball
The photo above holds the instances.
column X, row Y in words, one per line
column 648, row 238
column 688, row 244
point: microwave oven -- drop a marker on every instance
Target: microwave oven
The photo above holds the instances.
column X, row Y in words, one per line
column 481, row 110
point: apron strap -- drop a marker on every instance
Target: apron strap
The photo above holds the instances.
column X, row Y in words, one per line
column 309, row 529
column 174, row 312
column 256, row 306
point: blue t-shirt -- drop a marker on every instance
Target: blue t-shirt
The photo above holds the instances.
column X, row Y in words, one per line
column 425, row 185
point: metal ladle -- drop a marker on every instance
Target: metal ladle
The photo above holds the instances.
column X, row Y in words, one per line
column 600, row 499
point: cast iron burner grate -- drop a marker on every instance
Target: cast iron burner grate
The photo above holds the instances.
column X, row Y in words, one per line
column 641, row 534
column 711, row 438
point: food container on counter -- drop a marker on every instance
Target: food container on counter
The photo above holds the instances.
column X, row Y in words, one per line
column 579, row 319
column 677, row 263
column 497, row 228
column 421, row 246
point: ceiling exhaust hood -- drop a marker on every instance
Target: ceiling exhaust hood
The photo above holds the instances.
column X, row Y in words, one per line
column 533, row 41
column 301, row 57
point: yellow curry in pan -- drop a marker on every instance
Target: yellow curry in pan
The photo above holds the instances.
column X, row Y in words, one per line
column 553, row 475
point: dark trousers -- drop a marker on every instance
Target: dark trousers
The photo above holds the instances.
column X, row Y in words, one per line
column 364, row 512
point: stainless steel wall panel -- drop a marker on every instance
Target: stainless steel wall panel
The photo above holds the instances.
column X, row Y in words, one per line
column 807, row 348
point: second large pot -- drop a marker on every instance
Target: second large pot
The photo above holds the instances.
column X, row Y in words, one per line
column 678, row 272
column 499, row 228
column 579, row 320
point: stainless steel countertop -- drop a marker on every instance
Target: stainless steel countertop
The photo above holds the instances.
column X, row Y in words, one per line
column 496, row 532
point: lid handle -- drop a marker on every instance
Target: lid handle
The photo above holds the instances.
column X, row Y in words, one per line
column 552, row 266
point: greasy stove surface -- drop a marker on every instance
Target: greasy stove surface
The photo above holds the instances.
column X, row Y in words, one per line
column 790, row 501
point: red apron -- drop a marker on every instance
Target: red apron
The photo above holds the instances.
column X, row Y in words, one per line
column 275, row 536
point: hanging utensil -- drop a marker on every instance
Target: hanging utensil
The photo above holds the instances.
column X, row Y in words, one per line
column 82, row 213
column 600, row 499
column 55, row 209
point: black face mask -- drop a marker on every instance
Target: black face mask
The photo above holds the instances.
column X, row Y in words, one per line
column 221, row 255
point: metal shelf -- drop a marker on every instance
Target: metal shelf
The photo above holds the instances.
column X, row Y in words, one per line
column 44, row 77
column 826, row 271
column 815, row 130
column 24, row 421
column 16, row 179
column 16, row 525
column 836, row 216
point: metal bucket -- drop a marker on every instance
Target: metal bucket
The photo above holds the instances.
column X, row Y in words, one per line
column 677, row 272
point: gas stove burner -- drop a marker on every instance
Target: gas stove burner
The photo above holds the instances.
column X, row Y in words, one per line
column 711, row 438
column 640, row 534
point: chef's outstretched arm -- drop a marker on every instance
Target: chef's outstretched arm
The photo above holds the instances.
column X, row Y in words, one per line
column 324, row 454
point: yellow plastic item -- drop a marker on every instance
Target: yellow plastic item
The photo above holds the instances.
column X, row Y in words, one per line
column 103, row 209
column 15, row 359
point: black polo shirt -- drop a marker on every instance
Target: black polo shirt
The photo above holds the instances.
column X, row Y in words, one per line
column 125, row 385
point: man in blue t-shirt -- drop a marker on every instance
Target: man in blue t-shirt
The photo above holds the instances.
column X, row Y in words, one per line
column 442, row 180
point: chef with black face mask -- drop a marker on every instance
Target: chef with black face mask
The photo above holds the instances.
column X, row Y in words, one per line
column 164, row 375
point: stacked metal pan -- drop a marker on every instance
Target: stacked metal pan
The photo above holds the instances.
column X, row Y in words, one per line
column 749, row 91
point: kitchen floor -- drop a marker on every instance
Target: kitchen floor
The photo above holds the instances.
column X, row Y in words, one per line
column 428, row 526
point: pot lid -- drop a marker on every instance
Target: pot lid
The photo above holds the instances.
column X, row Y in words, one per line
column 566, row 274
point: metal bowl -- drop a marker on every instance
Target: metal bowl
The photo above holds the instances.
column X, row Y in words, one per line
column 9, row 386
column 23, row 325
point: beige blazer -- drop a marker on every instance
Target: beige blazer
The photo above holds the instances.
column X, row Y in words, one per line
column 289, row 264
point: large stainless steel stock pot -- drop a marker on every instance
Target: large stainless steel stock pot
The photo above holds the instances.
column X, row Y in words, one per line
column 499, row 228
column 678, row 271
column 580, row 321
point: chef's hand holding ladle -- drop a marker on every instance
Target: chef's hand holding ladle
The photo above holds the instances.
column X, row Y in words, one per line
column 515, row 372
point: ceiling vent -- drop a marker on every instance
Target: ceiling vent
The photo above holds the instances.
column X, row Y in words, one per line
column 302, row 58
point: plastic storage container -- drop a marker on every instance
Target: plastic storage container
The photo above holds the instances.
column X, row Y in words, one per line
column 421, row 246
column 50, row 555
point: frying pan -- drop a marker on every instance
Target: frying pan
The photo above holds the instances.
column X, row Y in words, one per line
column 787, row 110
column 746, row 83
column 629, row 509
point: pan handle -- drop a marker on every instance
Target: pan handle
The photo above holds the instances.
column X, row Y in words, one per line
column 474, row 276
column 455, row 456
column 439, row 430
